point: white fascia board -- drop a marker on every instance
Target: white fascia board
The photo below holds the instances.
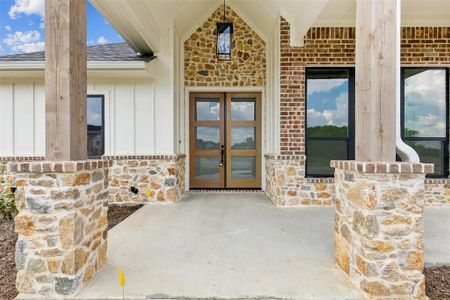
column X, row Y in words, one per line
column 91, row 65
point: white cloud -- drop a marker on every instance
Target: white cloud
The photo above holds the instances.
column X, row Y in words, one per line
column 8, row 28
column 428, row 125
column 28, row 41
column 336, row 117
column 324, row 85
column 27, row 7
column 102, row 40
column 428, row 86
column 425, row 102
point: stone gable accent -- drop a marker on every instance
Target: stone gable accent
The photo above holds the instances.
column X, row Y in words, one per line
column 153, row 178
column 61, row 225
column 248, row 59
column 379, row 234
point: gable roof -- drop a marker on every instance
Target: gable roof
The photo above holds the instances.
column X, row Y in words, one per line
column 109, row 52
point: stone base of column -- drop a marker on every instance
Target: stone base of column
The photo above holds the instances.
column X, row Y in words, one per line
column 379, row 239
column 61, row 225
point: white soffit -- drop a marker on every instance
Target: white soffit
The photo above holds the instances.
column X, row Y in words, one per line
column 414, row 13
column 141, row 22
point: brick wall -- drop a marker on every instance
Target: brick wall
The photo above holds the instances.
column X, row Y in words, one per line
column 323, row 46
column 336, row 46
column 327, row 47
column 422, row 45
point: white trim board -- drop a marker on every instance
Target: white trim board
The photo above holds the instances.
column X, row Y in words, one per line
column 93, row 65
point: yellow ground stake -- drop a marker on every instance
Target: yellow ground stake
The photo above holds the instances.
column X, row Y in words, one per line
column 122, row 282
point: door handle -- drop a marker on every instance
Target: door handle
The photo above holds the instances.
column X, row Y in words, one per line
column 222, row 153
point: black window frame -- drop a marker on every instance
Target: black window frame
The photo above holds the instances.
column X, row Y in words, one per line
column 351, row 118
column 102, row 131
column 444, row 141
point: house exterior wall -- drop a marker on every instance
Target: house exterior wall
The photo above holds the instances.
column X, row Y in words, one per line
column 22, row 119
column 285, row 173
column 130, row 110
column 247, row 66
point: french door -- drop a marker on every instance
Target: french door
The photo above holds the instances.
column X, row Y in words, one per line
column 225, row 140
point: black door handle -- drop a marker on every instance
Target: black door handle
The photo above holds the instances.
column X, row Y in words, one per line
column 222, row 153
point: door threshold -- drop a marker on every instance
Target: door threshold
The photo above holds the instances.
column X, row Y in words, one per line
column 226, row 190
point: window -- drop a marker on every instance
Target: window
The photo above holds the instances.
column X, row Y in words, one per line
column 425, row 115
column 95, row 126
column 329, row 118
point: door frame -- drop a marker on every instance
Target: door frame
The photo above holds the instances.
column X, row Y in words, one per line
column 207, row 183
column 224, row 89
column 243, row 183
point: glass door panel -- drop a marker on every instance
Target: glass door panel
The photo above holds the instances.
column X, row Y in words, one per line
column 207, row 137
column 225, row 139
column 243, row 140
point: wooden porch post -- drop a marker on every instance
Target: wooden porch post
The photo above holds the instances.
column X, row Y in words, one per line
column 376, row 79
column 65, row 80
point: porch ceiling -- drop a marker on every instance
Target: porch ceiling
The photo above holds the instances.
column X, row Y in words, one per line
column 142, row 22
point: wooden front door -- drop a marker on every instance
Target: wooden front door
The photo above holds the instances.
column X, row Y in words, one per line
column 225, row 140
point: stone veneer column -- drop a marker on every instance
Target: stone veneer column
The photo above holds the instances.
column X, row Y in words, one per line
column 379, row 236
column 61, row 225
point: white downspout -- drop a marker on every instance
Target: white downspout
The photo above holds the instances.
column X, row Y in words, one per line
column 405, row 152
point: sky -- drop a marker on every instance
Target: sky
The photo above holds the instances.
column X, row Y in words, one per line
column 22, row 28
column 425, row 102
column 327, row 102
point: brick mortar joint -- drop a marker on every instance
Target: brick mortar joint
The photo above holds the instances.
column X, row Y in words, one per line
column 383, row 167
column 6, row 159
column 40, row 167
column 284, row 157
column 145, row 157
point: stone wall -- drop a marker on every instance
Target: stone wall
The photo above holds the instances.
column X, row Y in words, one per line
column 437, row 192
column 379, row 235
column 154, row 178
column 247, row 66
column 335, row 46
column 6, row 178
column 61, row 225
column 286, row 184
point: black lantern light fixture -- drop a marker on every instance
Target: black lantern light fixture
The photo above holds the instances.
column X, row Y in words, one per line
column 224, row 37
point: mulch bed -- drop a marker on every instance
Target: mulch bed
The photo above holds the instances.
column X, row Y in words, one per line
column 8, row 270
column 117, row 214
column 437, row 278
column 8, row 238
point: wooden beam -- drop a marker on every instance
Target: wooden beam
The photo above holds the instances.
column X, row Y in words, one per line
column 65, row 79
column 376, row 79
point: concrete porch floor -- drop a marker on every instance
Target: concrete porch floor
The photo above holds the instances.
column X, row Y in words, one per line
column 229, row 245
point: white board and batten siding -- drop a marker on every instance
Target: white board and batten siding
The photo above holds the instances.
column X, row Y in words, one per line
column 130, row 110
column 22, row 119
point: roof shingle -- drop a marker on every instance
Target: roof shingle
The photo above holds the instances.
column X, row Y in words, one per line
column 109, row 52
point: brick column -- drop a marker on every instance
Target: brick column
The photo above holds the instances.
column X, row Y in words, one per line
column 379, row 235
column 61, row 225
